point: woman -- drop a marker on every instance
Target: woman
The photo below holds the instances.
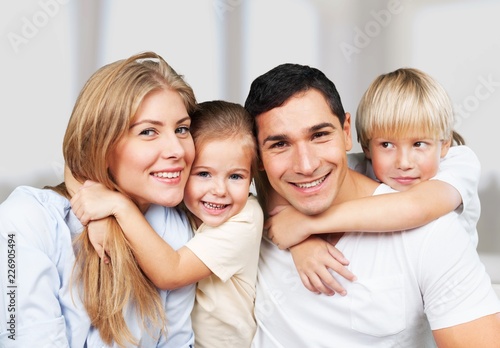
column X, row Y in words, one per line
column 130, row 131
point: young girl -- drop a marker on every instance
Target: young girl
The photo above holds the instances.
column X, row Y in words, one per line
column 223, row 255
column 130, row 130
column 404, row 124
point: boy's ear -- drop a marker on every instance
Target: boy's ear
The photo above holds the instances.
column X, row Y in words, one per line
column 445, row 146
column 366, row 150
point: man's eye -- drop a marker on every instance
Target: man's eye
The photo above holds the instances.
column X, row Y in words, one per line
column 319, row 134
column 278, row 144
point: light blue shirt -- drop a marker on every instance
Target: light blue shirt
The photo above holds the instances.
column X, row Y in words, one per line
column 37, row 305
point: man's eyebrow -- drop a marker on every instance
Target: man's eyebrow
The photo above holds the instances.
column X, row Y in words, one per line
column 277, row 137
column 320, row 126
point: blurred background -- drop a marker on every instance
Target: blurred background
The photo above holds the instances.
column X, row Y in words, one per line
column 49, row 48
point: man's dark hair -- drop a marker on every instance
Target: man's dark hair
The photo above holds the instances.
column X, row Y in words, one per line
column 275, row 87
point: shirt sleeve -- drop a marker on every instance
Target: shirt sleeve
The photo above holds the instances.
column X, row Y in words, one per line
column 30, row 306
column 454, row 283
column 224, row 249
column 461, row 169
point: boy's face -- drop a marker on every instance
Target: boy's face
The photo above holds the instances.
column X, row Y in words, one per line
column 404, row 162
column 219, row 182
column 303, row 151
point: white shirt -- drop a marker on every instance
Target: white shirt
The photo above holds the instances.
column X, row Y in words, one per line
column 409, row 283
column 460, row 168
column 40, row 226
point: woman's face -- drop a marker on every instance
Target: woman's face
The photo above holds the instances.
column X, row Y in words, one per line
column 151, row 163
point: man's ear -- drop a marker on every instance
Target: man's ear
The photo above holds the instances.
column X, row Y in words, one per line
column 347, row 132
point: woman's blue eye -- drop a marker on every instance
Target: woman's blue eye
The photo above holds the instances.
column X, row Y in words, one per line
column 182, row 130
column 147, row 132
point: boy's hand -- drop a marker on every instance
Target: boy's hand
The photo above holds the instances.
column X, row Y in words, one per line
column 287, row 226
column 313, row 258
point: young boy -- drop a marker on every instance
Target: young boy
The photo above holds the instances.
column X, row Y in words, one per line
column 404, row 124
column 222, row 256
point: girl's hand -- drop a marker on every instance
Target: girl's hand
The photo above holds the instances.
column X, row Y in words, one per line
column 93, row 201
column 97, row 231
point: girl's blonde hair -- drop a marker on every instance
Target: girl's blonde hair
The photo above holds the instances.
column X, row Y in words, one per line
column 101, row 116
column 406, row 101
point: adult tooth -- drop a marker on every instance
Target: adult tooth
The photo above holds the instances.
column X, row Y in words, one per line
column 311, row 184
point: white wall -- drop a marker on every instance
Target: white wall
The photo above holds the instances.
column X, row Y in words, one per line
column 50, row 47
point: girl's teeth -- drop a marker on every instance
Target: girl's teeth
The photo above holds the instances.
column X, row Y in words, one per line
column 214, row 206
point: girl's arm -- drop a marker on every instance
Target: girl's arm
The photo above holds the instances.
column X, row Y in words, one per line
column 396, row 211
column 165, row 267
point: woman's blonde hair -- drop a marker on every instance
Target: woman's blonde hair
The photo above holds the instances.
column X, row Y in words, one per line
column 101, row 116
column 406, row 101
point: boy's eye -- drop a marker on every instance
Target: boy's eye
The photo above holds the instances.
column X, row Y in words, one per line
column 386, row 144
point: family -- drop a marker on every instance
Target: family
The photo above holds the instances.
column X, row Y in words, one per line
column 156, row 239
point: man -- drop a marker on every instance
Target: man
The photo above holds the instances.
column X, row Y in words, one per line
column 414, row 288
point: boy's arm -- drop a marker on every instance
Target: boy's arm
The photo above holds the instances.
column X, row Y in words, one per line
column 396, row 211
column 313, row 258
column 164, row 266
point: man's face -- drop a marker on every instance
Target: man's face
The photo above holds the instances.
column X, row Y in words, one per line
column 303, row 150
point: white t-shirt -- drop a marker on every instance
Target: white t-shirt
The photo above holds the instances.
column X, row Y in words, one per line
column 460, row 168
column 223, row 310
column 409, row 283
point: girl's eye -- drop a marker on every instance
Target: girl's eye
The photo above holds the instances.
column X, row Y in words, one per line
column 203, row 174
column 182, row 130
column 235, row 177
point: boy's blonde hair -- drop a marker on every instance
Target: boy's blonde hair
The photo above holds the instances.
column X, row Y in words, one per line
column 405, row 102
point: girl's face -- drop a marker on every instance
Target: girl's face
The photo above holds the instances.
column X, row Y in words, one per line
column 219, row 183
column 404, row 162
column 151, row 163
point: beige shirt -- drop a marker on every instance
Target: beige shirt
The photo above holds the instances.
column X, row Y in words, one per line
column 223, row 314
